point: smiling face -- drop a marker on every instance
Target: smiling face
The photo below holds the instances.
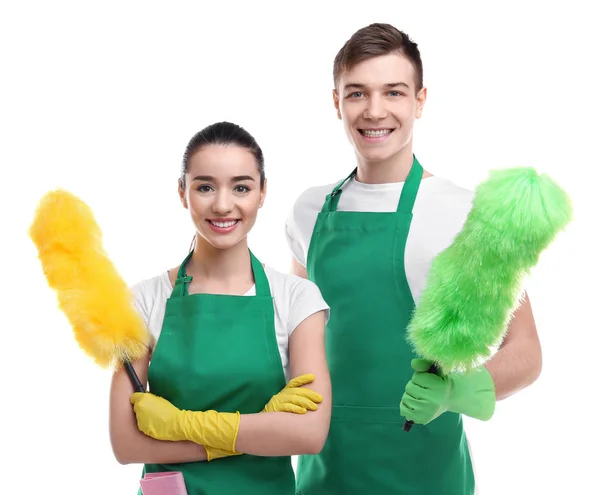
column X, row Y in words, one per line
column 223, row 193
column 378, row 102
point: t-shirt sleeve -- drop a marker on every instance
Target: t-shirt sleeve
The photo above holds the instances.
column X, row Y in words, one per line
column 292, row 237
column 301, row 221
column 139, row 301
column 141, row 304
column 305, row 300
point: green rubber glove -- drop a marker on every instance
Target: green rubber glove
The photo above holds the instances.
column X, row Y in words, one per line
column 428, row 395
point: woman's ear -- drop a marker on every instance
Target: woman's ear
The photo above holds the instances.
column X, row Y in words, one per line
column 181, row 192
column 263, row 194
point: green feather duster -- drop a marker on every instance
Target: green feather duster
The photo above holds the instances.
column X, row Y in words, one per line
column 474, row 285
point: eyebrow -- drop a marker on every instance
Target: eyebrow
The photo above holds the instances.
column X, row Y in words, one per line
column 209, row 178
column 363, row 86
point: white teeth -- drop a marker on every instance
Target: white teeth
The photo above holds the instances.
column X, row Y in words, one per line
column 377, row 133
column 224, row 225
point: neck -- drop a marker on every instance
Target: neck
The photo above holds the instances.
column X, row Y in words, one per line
column 393, row 169
column 225, row 266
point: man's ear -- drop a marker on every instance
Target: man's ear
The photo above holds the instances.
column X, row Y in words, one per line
column 336, row 103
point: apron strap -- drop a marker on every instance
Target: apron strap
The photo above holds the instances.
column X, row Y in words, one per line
column 183, row 281
column 410, row 188
column 333, row 198
column 260, row 278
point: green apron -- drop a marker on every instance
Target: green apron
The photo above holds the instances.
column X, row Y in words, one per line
column 220, row 352
column 357, row 260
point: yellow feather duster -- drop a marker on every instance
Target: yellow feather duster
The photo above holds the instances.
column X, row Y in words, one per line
column 90, row 291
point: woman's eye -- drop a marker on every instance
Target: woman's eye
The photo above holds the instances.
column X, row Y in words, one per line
column 241, row 189
column 204, row 188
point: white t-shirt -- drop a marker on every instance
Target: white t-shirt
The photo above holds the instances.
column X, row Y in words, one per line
column 439, row 213
column 294, row 300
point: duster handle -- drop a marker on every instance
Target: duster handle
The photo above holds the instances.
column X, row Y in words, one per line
column 408, row 424
column 135, row 381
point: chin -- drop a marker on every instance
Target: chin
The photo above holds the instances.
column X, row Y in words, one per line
column 225, row 244
column 382, row 154
column 377, row 157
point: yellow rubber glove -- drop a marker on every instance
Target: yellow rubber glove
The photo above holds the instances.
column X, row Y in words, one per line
column 293, row 399
column 212, row 454
column 159, row 419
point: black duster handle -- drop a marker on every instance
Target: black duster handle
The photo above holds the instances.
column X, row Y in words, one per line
column 408, row 424
column 135, row 381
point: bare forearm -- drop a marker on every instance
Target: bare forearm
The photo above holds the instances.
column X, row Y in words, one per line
column 141, row 449
column 130, row 445
column 279, row 434
column 515, row 366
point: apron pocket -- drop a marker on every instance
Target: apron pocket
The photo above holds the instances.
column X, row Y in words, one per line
column 367, row 452
column 364, row 414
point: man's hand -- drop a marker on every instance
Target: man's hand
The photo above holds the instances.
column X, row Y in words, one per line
column 428, row 395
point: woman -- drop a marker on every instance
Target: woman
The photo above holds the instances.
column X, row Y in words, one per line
column 228, row 334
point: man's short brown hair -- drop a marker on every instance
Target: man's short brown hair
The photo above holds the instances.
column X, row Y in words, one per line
column 376, row 40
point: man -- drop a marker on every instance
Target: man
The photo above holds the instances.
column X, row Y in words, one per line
column 368, row 243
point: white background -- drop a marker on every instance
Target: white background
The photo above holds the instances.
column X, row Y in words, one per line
column 101, row 99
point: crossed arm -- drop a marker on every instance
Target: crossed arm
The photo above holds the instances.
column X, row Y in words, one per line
column 129, row 444
column 262, row 434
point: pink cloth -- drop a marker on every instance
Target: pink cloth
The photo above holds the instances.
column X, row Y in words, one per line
column 165, row 483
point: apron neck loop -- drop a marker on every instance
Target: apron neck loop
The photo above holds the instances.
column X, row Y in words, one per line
column 260, row 279
column 410, row 188
column 407, row 197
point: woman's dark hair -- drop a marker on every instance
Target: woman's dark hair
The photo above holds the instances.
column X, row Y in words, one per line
column 223, row 133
